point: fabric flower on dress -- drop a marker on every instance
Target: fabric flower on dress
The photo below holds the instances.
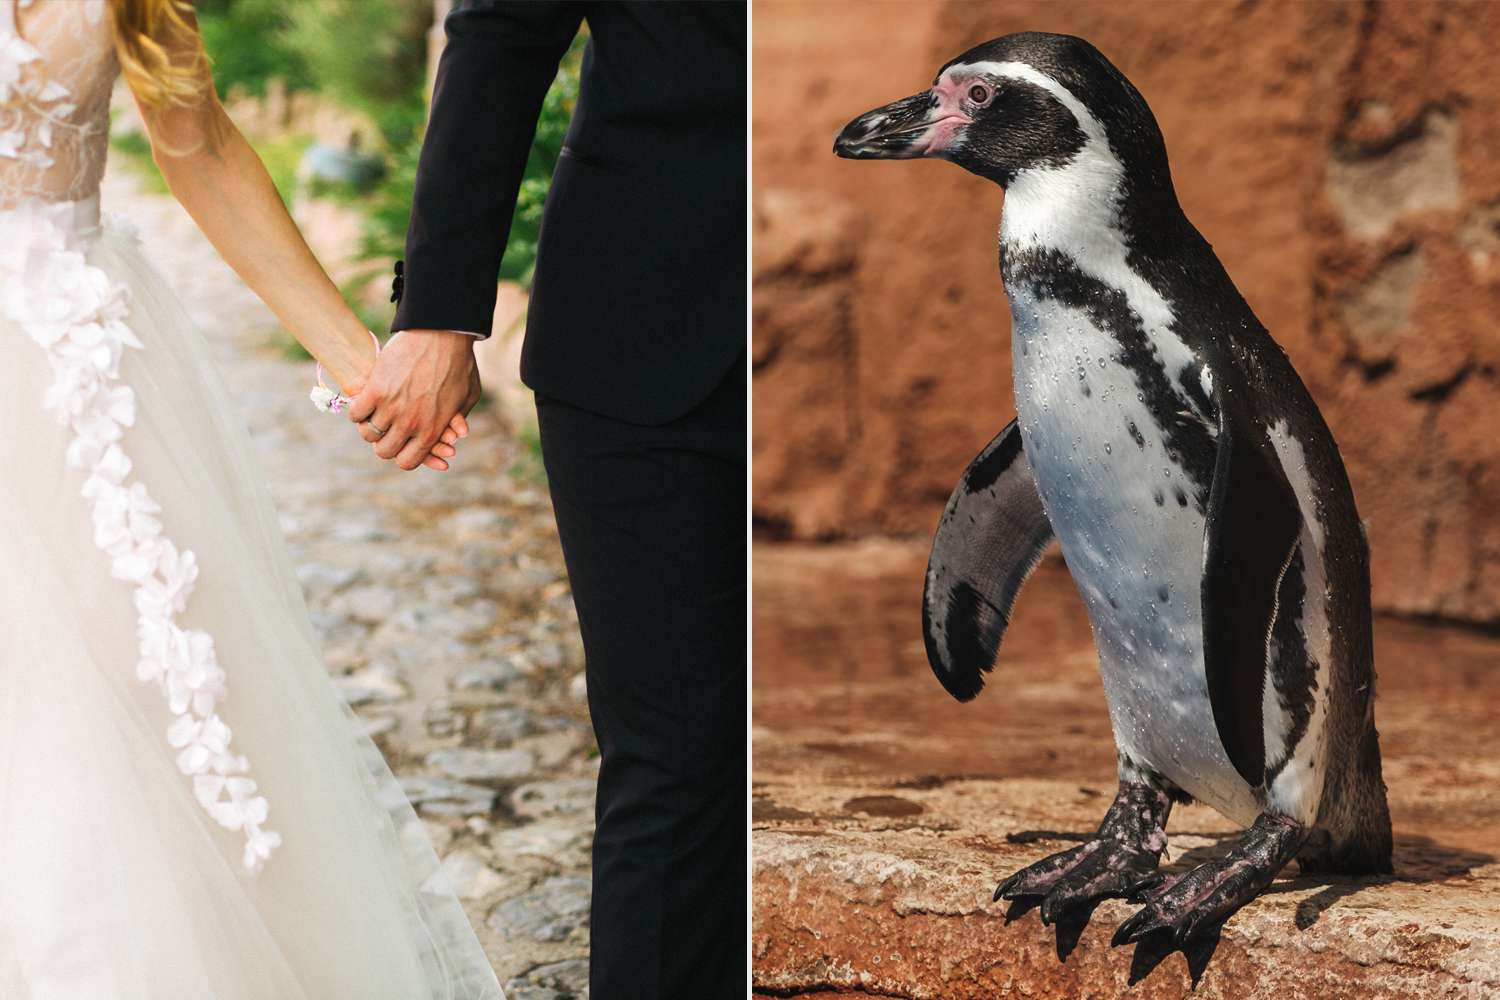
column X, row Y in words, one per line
column 258, row 847
column 78, row 316
column 166, row 593
column 200, row 740
column 126, row 527
column 15, row 53
column 192, row 679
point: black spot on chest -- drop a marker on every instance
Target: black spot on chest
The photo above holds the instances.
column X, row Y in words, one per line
column 1051, row 274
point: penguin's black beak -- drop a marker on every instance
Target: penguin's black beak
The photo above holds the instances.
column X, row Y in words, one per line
column 920, row 125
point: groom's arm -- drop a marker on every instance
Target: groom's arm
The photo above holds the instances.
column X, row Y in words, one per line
column 494, row 73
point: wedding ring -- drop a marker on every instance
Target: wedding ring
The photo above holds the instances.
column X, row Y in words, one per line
column 382, row 431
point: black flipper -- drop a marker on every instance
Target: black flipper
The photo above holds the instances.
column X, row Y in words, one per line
column 991, row 537
column 1252, row 530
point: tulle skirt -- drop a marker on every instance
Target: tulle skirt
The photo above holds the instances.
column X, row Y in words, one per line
column 188, row 810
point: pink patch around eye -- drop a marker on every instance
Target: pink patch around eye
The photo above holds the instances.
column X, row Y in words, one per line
column 941, row 136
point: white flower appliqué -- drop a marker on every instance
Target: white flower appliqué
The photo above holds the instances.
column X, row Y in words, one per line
column 78, row 316
column 29, row 138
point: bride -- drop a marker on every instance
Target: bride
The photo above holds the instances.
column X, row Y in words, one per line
column 186, row 809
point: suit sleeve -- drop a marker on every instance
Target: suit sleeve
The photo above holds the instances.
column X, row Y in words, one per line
column 494, row 73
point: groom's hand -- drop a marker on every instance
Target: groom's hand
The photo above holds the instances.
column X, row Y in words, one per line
column 423, row 382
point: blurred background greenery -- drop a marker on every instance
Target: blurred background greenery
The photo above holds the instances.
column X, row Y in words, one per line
column 273, row 52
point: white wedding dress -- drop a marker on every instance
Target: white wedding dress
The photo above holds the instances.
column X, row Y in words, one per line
column 187, row 810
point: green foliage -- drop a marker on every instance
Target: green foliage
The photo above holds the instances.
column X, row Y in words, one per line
column 247, row 42
column 134, row 148
column 551, row 129
column 528, row 466
column 389, row 208
column 289, row 347
column 280, row 156
column 370, row 55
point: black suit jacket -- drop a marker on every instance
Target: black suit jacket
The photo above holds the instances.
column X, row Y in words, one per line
column 638, row 306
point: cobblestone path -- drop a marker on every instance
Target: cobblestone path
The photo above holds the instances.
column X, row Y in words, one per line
column 446, row 621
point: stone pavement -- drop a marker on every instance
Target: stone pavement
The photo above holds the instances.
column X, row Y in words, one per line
column 446, row 620
column 885, row 812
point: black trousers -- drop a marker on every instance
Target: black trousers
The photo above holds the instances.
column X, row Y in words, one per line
column 653, row 527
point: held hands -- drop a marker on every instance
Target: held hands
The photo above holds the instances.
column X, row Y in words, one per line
column 413, row 407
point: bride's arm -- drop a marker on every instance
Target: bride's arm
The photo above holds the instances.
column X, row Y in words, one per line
column 219, row 179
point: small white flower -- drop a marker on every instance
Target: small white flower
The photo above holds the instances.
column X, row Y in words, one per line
column 127, row 530
column 193, row 680
column 322, row 398
column 15, row 52
column 137, row 563
column 99, row 427
column 252, row 807
column 111, row 525
column 200, row 740
column 258, row 847
column 156, row 640
column 231, row 813
column 228, row 764
column 166, row 593
column 119, row 403
column 207, row 788
column 113, row 466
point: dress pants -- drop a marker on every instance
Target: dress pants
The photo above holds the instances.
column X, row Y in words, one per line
column 653, row 522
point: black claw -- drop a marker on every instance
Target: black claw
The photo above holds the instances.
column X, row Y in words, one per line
column 1127, row 932
column 1003, row 888
column 1183, row 929
column 1054, row 908
column 1145, row 885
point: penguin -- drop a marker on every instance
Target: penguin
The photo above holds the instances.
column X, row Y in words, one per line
column 1163, row 440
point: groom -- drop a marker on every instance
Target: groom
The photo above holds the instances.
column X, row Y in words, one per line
column 635, row 347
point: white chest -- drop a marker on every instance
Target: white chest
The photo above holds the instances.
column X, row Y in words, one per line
column 1132, row 537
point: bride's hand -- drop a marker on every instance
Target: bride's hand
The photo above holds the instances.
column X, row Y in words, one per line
column 447, row 445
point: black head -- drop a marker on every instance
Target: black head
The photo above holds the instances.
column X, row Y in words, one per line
column 1019, row 102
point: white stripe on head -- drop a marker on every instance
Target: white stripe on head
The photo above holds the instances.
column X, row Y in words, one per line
column 1075, row 208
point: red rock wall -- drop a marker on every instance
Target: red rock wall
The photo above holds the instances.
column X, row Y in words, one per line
column 1343, row 158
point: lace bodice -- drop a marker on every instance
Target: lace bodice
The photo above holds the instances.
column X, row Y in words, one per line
column 57, row 67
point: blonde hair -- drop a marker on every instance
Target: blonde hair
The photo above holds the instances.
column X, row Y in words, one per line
column 160, row 54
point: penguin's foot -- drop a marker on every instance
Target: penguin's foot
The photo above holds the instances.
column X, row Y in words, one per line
column 1120, row 860
column 1209, row 894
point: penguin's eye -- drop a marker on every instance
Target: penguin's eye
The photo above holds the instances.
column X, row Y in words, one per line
column 979, row 93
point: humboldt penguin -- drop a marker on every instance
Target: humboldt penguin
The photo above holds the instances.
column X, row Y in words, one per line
column 1163, row 439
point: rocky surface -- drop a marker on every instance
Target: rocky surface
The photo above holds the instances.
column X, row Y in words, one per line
column 1344, row 160
column 446, row 619
column 885, row 812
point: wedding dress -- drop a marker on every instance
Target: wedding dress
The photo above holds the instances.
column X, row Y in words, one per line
column 187, row 810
